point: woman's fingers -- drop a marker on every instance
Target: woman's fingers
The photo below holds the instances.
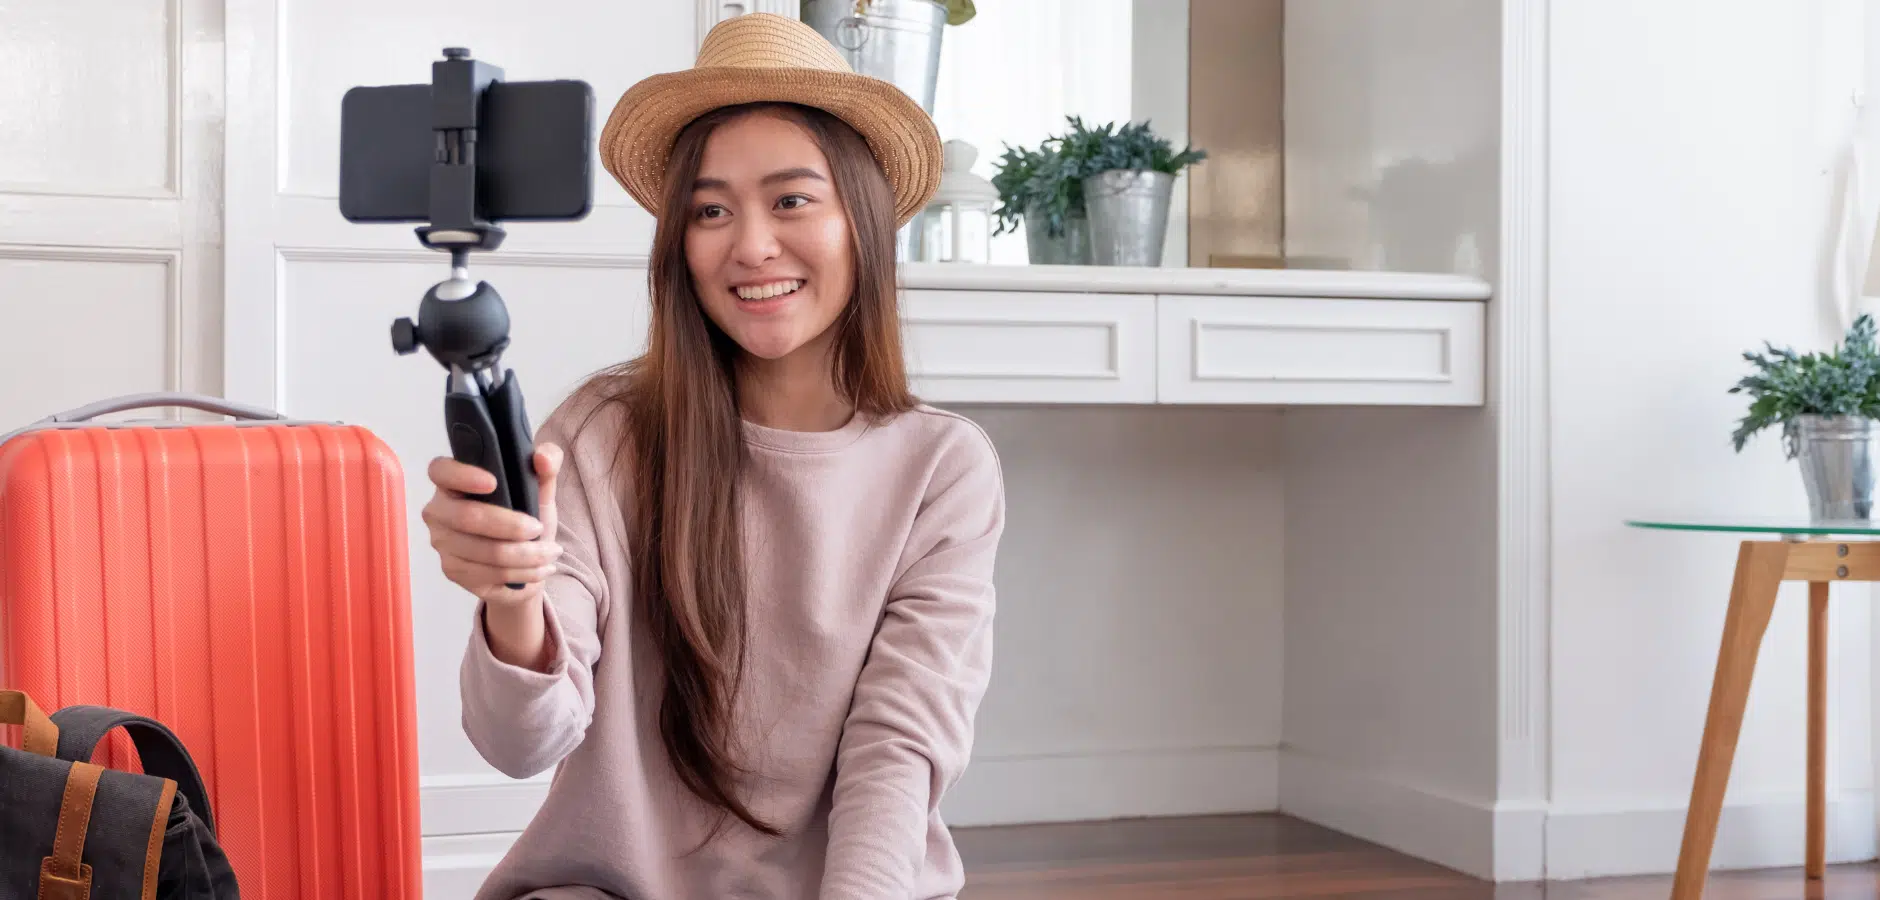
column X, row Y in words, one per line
column 548, row 459
column 504, row 554
column 484, row 547
column 476, row 517
column 479, row 578
column 451, row 475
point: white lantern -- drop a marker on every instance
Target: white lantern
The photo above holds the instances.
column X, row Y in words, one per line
column 956, row 225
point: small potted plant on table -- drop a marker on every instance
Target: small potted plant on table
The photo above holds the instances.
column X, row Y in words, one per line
column 1042, row 189
column 1826, row 405
column 1129, row 179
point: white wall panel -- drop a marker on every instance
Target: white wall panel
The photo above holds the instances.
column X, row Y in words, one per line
column 91, row 115
column 567, row 321
column 83, row 325
column 1140, row 591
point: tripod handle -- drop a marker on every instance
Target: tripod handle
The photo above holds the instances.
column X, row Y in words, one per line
column 473, row 440
column 491, row 431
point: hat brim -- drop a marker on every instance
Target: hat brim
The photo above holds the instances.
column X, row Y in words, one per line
column 638, row 137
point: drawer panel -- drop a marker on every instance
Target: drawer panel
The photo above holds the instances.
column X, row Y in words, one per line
column 1308, row 350
column 1030, row 346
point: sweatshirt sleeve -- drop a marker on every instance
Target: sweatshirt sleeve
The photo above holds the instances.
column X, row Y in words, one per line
column 910, row 728
column 520, row 720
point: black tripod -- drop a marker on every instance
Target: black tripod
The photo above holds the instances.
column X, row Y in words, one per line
column 463, row 323
column 460, row 154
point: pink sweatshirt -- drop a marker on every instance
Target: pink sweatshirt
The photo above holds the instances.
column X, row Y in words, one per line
column 870, row 559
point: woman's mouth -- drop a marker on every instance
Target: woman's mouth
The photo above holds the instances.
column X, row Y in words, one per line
column 769, row 290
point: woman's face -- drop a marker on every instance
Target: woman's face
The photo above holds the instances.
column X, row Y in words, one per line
column 767, row 238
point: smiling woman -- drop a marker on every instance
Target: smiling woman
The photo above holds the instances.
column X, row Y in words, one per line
column 783, row 557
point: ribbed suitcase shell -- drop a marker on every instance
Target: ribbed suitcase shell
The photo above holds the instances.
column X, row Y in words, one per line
column 247, row 585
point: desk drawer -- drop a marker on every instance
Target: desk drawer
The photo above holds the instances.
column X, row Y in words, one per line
column 1308, row 350
column 1030, row 346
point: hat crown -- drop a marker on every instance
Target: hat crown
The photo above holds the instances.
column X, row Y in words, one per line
column 768, row 41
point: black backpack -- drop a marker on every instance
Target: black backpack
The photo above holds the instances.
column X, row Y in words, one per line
column 71, row 830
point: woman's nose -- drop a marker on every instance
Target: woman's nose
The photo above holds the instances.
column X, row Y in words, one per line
column 756, row 242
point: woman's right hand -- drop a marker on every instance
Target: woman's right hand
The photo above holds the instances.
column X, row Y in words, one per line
column 484, row 547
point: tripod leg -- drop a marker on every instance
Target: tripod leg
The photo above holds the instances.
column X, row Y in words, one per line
column 517, row 443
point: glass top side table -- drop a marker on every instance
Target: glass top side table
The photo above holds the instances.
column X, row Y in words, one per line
column 1773, row 549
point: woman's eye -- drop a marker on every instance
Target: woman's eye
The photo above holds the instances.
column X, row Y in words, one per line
column 793, row 201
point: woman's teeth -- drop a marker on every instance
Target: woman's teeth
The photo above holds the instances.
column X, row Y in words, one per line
column 767, row 291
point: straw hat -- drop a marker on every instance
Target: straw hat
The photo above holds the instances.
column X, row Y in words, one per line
column 763, row 56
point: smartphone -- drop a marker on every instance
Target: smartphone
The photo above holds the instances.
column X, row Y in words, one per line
column 533, row 152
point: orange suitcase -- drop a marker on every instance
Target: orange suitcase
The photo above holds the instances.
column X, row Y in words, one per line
column 246, row 583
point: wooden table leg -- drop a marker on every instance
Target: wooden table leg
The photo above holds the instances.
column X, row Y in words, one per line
column 1816, row 858
column 1759, row 569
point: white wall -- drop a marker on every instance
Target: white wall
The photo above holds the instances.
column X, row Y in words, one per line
column 1139, row 633
column 1392, row 117
column 1692, row 158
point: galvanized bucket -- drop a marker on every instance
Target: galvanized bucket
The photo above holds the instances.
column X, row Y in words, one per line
column 1837, row 459
column 1069, row 248
column 897, row 41
column 1128, row 216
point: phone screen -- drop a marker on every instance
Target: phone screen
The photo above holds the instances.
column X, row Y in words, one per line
column 534, row 152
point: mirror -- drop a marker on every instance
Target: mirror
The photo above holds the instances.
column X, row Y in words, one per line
column 1338, row 134
column 1017, row 71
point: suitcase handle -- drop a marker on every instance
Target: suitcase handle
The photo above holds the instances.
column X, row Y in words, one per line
column 164, row 398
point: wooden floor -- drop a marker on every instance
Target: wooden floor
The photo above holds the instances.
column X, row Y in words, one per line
column 1268, row 857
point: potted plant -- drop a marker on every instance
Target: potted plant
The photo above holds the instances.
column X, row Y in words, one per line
column 1092, row 195
column 1826, row 404
column 1042, row 189
column 1129, row 177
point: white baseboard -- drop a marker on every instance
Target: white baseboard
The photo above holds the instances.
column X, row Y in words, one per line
column 455, row 865
column 1449, row 831
column 1762, row 833
column 1005, row 790
column 1510, row 844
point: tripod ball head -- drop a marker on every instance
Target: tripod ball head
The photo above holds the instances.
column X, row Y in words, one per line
column 463, row 324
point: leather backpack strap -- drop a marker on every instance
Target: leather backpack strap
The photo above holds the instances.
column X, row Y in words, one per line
column 162, row 755
column 64, row 875
column 42, row 737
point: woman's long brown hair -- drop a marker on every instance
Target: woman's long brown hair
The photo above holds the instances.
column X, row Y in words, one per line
column 681, row 459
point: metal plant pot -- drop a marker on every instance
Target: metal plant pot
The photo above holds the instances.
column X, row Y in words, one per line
column 1069, row 248
column 1128, row 216
column 897, row 41
column 1836, row 454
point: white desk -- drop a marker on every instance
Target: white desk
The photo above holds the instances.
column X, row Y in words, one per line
column 1116, row 335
